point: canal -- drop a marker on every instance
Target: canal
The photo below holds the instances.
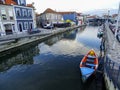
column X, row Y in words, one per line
column 50, row 65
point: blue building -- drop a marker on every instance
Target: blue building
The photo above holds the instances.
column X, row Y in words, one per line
column 16, row 17
column 70, row 16
column 23, row 16
column 20, row 2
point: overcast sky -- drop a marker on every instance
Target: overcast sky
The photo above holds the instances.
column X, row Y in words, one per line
column 74, row 5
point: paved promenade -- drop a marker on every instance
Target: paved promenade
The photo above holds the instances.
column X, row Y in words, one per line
column 25, row 34
column 10, row 38
column 113, row 53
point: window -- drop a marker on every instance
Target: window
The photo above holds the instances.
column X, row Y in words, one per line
column 18, row 12
column 22, row 2
column 10, row 14
column 3, row 13
column 31, row 25
column 26, row 25
column 20, row 26
column 24, row 12
column 30, row 13
column 8, row 27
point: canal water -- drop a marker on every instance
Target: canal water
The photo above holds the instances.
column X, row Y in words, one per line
column 50, row 65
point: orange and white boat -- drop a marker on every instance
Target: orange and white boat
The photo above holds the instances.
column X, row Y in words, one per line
column 88, row 64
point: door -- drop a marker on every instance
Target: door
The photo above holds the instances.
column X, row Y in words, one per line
column 20, row 27
column 8, row 29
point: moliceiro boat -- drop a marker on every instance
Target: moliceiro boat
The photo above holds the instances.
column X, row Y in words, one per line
column 88, row 65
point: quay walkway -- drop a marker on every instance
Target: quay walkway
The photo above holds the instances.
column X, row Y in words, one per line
column 112, row 60
column 42, row 32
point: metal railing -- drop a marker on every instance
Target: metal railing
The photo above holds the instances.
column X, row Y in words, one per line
column 113, row 71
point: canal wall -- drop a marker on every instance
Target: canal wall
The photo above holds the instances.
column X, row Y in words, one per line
column 17, row 42
column 111, row 60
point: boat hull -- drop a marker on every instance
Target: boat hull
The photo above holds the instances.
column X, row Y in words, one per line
column 88, row 65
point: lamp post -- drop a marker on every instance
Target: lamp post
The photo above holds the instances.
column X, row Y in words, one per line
column 108, row 15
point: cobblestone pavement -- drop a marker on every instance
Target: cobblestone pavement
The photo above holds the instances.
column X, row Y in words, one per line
column 113, row 46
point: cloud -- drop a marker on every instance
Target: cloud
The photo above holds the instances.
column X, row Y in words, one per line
column 74, row 5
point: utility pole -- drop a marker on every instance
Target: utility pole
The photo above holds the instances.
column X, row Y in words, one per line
column 108, row 15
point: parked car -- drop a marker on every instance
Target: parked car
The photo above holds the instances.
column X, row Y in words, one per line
column 33, row 31
column 48, row 26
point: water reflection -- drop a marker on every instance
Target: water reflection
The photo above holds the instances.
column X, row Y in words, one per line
column 51, row 64
column 53, row 40
column 68, row 35
column 68, row 46
column 72, row 43
column 23, row 56
column 89, row 37
column 71, row 35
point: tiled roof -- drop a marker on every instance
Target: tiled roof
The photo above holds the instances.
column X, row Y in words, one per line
column 67, row 12
column 8, row 2
column 48, row 10
column 30, row 5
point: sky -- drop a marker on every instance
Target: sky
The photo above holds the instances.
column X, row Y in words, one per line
column 74, row 5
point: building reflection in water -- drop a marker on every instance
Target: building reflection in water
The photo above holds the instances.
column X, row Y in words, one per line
column 68, row 35
column 26, row 54
column 71, row 35
column 53, row 40
column 20, row 57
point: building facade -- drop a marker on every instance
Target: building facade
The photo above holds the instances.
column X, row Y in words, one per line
column 70, row 16
column 34, row 13
column 80, row 18
column 49, row 16
column 15, row 17
column 7, row 20
column 23, row 18
column 15, row 2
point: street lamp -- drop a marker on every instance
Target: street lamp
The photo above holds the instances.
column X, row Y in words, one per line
column 108, row 15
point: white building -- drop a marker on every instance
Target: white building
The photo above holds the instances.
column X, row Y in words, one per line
column 7, row 25
column 16, row 17
column 49, row 16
